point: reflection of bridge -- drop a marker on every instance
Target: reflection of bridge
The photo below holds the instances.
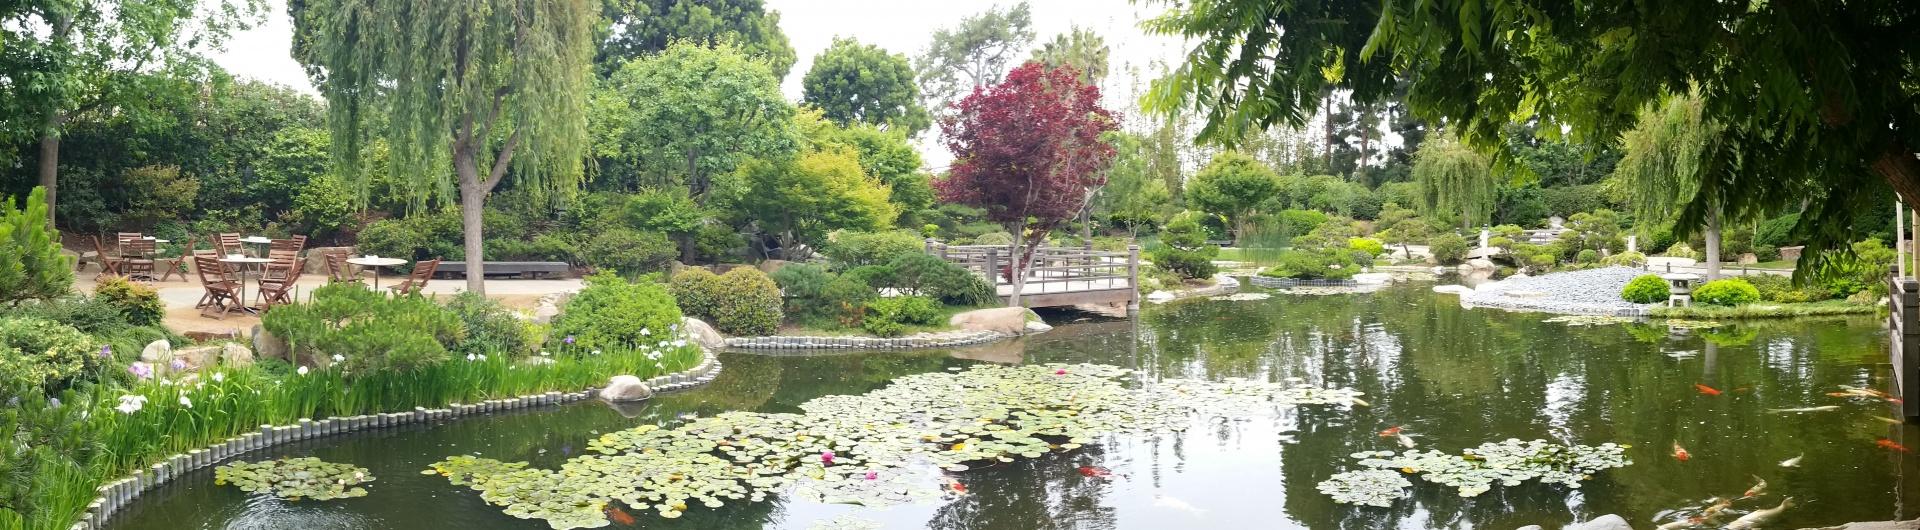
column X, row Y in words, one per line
column 1059, row 276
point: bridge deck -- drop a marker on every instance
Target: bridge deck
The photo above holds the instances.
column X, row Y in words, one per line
column 1057, row 277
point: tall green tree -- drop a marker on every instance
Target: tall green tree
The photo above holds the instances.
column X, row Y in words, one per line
column 853, row 82
column 1134, row 196
column 1232, row 185
column 1672, row 150
column 1080, row 48
column 680, row 117
column 65, row 59
column 483, row 86
column 1817, row 91
column 634, row 28
column 802, row 199
column 974, row 53
column 1455, row 182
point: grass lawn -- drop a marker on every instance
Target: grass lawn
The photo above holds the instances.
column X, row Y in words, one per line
column 1768, row 310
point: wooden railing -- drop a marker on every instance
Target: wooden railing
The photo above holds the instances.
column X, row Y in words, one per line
column 1903, row 327
column 1055, row 274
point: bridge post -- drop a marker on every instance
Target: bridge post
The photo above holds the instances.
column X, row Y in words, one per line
column 1133, row 278
column 993, row 267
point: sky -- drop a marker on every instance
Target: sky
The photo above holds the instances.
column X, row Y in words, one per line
column 262, row 53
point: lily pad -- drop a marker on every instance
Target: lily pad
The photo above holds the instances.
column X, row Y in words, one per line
column 296, row 478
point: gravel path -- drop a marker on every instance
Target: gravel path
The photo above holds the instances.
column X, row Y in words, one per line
column 1586, row 292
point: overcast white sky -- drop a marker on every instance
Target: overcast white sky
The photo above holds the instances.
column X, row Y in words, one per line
column 902, row 27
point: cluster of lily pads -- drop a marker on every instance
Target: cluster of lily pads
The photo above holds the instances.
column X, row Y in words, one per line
column 1472, row 472
column 296, row 478
column 881, row 448
column 1588, row 320
column 1684, row 324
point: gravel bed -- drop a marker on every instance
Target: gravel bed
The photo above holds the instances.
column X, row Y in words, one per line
column 1586, row 292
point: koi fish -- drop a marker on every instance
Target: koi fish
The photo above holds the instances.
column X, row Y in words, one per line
column 1748, row 521
column 619, row 516
column 1390, row 432
column 1720, row 505
column 1095, row 472
column 1676, row 525
column 1680, row 453
column 1890, row 444
column 1177, row 504
column 956, row 487
column 1793, row 462
column 1889, row 421
column 1759, row 486
column 1405, row 441
column 1805, row 409
column 1865, row 392
column 1706, row 390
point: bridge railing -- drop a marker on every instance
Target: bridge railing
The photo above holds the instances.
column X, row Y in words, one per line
column 1054, row 269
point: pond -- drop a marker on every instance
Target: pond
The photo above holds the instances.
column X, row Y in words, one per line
column 1452, row 378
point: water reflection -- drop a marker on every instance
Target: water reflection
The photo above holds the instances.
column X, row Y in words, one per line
column 1452, row 377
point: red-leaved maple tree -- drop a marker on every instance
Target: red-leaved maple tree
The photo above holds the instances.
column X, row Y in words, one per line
column 1029, row 150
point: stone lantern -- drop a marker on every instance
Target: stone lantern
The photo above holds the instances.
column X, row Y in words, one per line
column 1680, row 288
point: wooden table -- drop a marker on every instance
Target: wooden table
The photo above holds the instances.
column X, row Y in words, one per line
column 375, row 263
column 244, row 262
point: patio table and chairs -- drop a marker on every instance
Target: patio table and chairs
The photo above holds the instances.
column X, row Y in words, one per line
column 338, row 270
column 110, row 263
column 375, row 263
column 223, row 293
column 240, row 263
column 416, row 280
column 170, row 266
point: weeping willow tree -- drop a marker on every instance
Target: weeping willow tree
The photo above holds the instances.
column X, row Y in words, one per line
column 1672, row 154
column 1454, row 179
column 465, row 92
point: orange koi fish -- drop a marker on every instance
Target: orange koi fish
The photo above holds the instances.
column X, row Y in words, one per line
column 619, row 516
column 1680, row 453
column 1706, row 390
column 1095, row 472
column 1892, row 445
column 1390, row 432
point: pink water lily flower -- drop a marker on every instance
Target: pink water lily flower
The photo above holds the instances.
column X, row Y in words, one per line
column 871, row 475
column 1060, row 372
column 826, row 458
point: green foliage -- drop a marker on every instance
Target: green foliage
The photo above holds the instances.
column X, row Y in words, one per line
column 1776, row 232
column 492, row 329
column 1670, row 153
column 1595, row 230
column 850, row 249
column 628, row 252
column 368, row 331
column 668, row 211
column 803, row 199
column 1645, row 289
column 853, row 82
column 437, row 234
column 1079, row 48
column 1448, row 249
column 889, row 317
column 1455, row 182
column 637, row 29
column 1001, row 238
column 1372, row 247
column 1625, row 259
column 1184, row 250
column 139, row 303
column 974, row 52
column 1314, row 264
column 1681, row 250
column 1726, row 292
column 686, row 115
column 813, row 293
column 612, row 312
column 1232, row 185
column 155, row 194
column 1587, row 257
column 31, row 267
column 42, row 354
column 1136, row 195
column 744, row 301
column 1780, row 289
column 922, row 274
column 323, row 207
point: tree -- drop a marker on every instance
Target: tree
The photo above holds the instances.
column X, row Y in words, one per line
column 1766, row 71
column 637, row 28
column 1028, row 150
column 1669, row 154
column 1454, row 181
column 684, row 115
column 974, row 53
column 64, row 59
column 1080, row 48
column 1233, row 185
column 31, row 267
column 483, row 86
column 1134, row 196
column 853, row 82
column 802, row 199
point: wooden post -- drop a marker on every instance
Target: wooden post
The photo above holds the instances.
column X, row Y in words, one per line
column 993, row 268
column 1899, row 239
column 1133, row 277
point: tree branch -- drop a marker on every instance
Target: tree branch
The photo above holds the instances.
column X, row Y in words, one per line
column 500, row 161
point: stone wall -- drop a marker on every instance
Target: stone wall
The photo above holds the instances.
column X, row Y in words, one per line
column 944, row 339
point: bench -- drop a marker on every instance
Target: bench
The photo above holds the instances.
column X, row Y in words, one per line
column 521, row 269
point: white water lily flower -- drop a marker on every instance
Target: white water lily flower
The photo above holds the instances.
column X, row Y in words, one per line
column 131, row 404
column 301, row 371
column 184, row 402
column 483, row 357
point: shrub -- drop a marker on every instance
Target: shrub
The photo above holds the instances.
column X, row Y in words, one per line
column 369, row 331
column 1681, row 250
column 1625, row 259
column 1645, row 289
column 491, row 328
column 1373, row 247
column 1448, row 249
column 1780, row 289
column 31, row 267
column 802, row 285
column 612, row 312
column 140, row 304
column 1776, row 232
column 1501, row 242
column 994, row 238
column 1728, row 292
column 888, row 317
column 628, row 252
column 1766, row 253
column 43, row 354
column 1313, row 265
column 744, row 301
column 1184, row 249
column 718, row 242
column 872, row 276
column 854, row 249
column 1542, row 261
column 923, row 274
column 1587, row 256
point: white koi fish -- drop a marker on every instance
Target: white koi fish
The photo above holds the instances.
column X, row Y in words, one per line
column 1748, row 521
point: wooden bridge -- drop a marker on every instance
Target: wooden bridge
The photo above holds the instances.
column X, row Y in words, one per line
column 1059, row 276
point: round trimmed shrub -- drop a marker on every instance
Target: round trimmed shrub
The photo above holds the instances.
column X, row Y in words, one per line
column 1646, row 289
column 1448, row 249
column 1681, row 250
column 612, row 312
column 139, row 303
column 1626, row 259
column 1587, row 256
column 1373, row 247
column 1727, row 292
column 854, row 249
column 628, row 252
column 889, row 317
column 744, row 301
column 994, row 238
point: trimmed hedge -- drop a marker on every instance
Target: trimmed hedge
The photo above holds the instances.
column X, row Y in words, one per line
column 1727, row 292
column 889, row 317
column 1646, row 289
column 744, row 301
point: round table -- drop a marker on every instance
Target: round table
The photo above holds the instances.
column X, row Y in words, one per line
column 375, row 263
column 244, row 262
column 258, row 240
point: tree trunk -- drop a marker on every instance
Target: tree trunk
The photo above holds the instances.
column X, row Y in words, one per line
column 1713, row 244
column 1326, row 105
column 473, row 200
column 1017, row 269
column 50, row 160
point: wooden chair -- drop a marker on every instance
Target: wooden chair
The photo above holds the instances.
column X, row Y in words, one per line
column 229, row 243
column 109, row 263
column 279, row 268
column 338, row 270
column 222, row 294
column 123, row 237
column 177, row 265
column 279, row 291
column 417, row 279
column 138, row 259
column 295, row 244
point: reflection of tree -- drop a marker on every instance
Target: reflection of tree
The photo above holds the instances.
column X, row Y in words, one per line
column 1040, row 493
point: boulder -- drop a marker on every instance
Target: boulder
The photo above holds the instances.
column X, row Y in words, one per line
column 546, row 309
column 1604, row 522
column 1372, row 278
column 703, row 334
column 1158, row 297
column 1748, row 259
column 233, row 354
column 1481, row 264
column 1036, row 325
column 211, row 336
column 1006, row 320
column 769, row 266
column 267, row 345
column 198, row 357
column 1530, row 527
column 625, row 388
column 158, row 352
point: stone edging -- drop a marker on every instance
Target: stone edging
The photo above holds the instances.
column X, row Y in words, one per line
column 1562, row 308
column 122, row 493
column 1222, row 285
column 945, row 339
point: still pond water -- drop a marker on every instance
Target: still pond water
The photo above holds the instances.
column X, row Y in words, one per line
column 1452, row 377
